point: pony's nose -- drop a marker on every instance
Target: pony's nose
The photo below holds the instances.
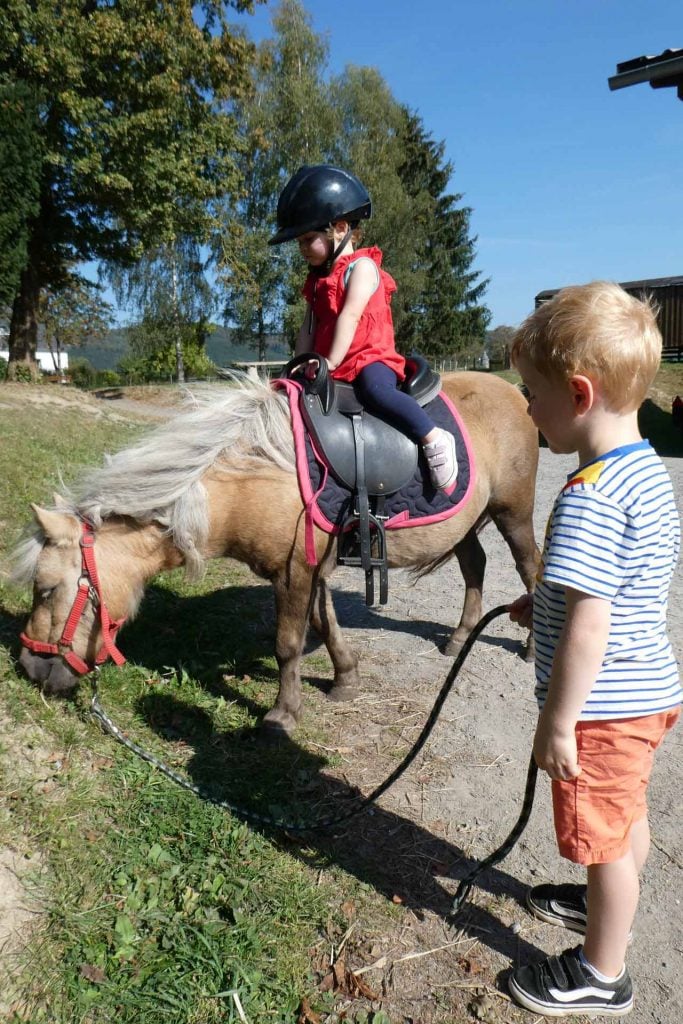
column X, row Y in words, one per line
column 52, row 674
column 35, row 667
column 61, row 679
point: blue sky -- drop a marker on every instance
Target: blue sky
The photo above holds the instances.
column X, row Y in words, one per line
column 567, row 181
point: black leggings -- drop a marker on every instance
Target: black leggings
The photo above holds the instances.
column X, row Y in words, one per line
column 377, row 387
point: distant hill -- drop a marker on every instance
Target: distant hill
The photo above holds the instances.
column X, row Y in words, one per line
column 219, row 348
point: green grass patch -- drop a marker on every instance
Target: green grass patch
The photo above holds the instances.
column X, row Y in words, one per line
column 654, row 417
column 157, row 905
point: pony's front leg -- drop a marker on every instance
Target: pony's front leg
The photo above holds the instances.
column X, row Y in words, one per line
column 324, row 621
column 294, row 588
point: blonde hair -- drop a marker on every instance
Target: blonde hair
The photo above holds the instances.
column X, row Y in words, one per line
column 597, row 330
column 356, row 233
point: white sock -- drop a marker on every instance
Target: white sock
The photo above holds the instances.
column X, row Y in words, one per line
column 605, row 978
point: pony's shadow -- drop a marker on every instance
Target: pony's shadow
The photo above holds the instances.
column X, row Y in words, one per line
column 233, row 630
column 10, row 628
column 399, row 858
column 353, row 613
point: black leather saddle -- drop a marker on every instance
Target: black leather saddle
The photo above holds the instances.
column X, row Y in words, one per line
column 366, row 454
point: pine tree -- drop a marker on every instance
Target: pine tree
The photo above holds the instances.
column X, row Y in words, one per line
column 450, row 315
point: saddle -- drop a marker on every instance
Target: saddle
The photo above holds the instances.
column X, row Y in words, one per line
column 366, row 454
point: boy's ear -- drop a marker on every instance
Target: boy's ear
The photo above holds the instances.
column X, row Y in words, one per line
column 582, row 392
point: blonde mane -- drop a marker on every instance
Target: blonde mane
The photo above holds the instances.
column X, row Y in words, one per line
column 159, row 478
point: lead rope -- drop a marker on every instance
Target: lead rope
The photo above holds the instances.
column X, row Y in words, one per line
column 98, row 712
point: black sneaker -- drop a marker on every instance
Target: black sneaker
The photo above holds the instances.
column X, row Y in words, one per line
column 561, row 986
column 559, row 904
column 564, row 905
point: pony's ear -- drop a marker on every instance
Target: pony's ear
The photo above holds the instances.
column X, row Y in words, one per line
column 60, row 529
column 59, row 501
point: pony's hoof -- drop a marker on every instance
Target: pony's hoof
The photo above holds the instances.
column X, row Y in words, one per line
column 343, row 692
column 278, row 724
column 453, row 648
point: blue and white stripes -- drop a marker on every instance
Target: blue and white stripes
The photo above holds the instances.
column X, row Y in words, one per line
column 614, row 533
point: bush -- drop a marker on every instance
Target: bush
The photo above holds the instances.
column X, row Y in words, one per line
column 3, row 369
column 22, row 373
column 82, row 373
column 107, row 379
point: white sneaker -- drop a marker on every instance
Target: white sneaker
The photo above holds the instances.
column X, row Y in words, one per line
column 442, row 462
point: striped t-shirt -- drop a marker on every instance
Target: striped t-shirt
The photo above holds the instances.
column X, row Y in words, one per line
column 614, row 533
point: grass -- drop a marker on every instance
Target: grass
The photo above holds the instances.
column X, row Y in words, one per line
column 156, row 905
column 654, row 417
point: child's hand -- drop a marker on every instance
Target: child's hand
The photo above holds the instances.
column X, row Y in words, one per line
column 555, row 750
column 522, row 610
column 311, row 369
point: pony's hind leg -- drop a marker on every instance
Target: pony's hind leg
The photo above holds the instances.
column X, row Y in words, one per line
column 324, row 621
column 516, row 527
column 472, row 561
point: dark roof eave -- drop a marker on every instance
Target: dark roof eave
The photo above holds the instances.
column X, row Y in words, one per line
column 653, row 282
column 664, row 70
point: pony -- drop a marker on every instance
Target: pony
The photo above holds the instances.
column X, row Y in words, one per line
column 219, row 480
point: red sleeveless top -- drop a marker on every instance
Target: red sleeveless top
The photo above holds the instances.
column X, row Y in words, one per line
column 373, row 341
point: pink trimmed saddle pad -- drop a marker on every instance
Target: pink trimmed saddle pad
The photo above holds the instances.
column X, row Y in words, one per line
column 328, row 502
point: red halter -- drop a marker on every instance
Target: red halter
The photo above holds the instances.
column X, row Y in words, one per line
column 88, row 590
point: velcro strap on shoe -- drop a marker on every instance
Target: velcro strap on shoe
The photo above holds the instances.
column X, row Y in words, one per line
column 572, row 970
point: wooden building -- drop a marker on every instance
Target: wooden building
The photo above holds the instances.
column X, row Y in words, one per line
column 667, row 294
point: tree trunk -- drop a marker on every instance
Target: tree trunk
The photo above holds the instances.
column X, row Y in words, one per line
column 262, row 339
column 23, row 330
column 180, row 365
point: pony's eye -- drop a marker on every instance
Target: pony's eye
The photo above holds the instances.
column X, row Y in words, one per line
column 525, row 391
column 46, row 593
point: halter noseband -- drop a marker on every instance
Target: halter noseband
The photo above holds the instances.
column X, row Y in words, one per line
column 89, row 589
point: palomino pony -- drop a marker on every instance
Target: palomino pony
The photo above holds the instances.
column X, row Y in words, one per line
column 219, row 480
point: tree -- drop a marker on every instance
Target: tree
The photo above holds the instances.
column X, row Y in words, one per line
column 498, row 344
column 72, row 316
column 170, row 296
column 286, row 122
column 450, row 315
column 368, row 141
column 20, row 169
column 136, row 134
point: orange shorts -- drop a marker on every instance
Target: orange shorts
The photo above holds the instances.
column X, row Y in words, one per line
column 595, row 811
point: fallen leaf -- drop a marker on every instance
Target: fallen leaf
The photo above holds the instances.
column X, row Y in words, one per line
column 307, row 1015
column 396, row 898
column 94, row 974
column 482, row 1007
column 339, row 971
column 357, row 987
column 327, row 984
column 469, row 966
column 348, row 909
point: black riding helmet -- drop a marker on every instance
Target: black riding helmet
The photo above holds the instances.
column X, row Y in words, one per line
column 317, row 196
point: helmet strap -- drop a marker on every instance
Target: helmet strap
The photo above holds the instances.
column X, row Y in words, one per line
column 324, row 269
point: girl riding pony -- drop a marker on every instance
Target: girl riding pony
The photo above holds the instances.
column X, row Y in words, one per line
column 348, row 321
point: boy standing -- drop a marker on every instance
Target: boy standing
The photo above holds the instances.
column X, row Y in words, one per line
column 606, row 677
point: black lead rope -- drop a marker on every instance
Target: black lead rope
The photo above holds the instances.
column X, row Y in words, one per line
column 465, row 886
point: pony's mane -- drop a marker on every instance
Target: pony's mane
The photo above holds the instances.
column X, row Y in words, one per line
column 159, row 479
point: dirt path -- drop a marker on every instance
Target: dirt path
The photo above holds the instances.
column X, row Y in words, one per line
column 467, row 791
column 460, row 800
